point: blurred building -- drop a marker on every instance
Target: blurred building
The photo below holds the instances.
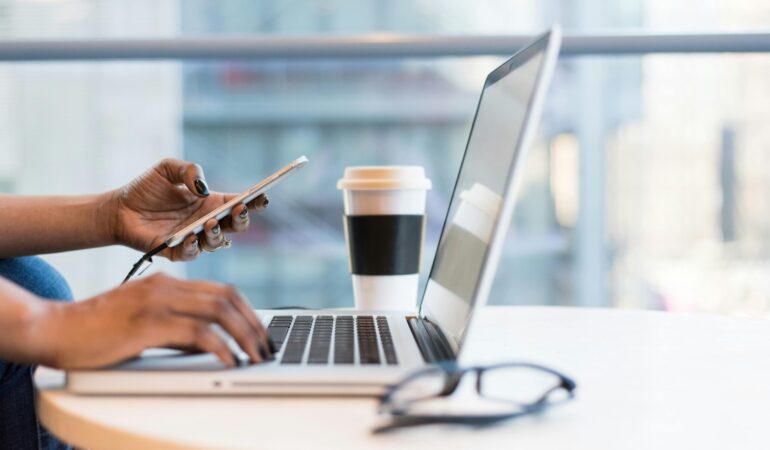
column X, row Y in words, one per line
column 82, row 127
column 242, row 120
column 646, row 188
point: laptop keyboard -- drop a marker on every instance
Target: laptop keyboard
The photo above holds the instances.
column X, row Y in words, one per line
column 336, row 340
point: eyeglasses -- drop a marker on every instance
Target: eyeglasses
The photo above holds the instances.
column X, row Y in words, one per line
column 502, row 392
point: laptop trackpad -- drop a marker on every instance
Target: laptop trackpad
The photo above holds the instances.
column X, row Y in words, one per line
column 163, row 359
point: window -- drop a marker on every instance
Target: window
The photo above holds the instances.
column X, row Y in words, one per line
column 645, row 189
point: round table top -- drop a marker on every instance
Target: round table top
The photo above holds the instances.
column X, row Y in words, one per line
column 645, row 380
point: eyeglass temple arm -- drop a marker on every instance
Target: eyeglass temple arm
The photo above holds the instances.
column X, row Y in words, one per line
column 413, row 421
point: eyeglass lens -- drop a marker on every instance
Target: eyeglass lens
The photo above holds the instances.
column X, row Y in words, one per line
column 522, row 385
column 427, row 384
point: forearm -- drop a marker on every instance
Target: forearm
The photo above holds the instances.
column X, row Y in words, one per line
column 32, row 225
column 22, row 340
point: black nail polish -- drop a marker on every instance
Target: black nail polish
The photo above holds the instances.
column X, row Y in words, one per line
column 271, row 344
column 238, row 361
column 245, row 213
column 267, row 200
column 201, row 187
column 215, row 231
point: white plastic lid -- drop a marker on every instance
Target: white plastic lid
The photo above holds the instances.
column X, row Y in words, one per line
column 384, row 177
column 483, row 198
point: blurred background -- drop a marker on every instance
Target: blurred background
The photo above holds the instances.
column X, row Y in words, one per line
column 647, row 187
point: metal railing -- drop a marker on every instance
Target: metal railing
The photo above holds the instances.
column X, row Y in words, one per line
column 591, row 270
column 370, row 46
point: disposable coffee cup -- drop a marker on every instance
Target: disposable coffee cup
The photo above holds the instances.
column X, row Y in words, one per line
column 384, row 225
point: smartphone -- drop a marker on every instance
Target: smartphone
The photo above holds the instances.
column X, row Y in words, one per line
column 223, row 211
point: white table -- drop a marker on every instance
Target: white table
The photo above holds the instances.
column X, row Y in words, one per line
column 646, row 380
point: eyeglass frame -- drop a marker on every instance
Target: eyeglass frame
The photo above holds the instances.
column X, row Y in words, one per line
column 453, row 375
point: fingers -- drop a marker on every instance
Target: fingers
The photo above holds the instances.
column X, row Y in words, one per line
column 259, row 203
column 241, row 306
column 213, row 236
column 187, row 173
column 239, row 220
column 244, row 308
column 189, row 332
column 187, row 251
column 218, row 309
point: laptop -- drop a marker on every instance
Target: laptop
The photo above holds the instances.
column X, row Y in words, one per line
column 354, row 352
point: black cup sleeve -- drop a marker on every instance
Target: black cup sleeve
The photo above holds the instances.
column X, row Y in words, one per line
column 385, row 244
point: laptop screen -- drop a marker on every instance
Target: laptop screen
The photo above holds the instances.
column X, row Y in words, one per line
column 480, row 191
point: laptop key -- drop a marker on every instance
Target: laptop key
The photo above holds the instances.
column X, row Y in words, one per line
column 278, row 329
column 295, row 345
column 368, row 352
column 388, row 349
column 343, row 340
column 320, row 343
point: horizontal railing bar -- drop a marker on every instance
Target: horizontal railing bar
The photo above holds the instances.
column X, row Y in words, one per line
column 370, row 46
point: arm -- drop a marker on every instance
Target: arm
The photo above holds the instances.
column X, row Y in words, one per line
column 46, row 224
column 139, row 215
column 19, row 309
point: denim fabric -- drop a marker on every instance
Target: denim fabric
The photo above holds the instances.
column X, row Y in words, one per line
column 19, row 427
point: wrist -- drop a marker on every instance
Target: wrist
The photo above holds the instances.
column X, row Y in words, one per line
column 43, row 331
column 108, row 217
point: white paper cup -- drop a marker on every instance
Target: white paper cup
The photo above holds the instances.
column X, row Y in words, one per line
column 384, row 227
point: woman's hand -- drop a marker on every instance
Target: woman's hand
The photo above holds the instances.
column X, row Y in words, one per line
column 171, row 194
column 155, row 311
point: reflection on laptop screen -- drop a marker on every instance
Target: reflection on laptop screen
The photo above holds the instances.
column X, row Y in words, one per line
column 478, row 194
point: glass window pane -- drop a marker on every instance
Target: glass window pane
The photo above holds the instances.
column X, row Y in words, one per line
column 645, row 188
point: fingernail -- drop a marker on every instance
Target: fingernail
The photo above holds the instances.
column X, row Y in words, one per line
column 194, row 246
column 269, row 355
column 271, row 344
column 245, row 213
column 267, row 200
column 215, row 231
column 201, row 187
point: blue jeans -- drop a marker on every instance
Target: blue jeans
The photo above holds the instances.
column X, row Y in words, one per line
column 19, row 427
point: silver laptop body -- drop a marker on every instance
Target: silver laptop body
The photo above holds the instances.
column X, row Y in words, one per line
column 357, row 352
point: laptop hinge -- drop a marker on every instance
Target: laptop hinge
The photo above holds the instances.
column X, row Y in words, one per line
column 430, row 340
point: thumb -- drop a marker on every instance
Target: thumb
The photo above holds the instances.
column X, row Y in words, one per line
column 187, row 173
